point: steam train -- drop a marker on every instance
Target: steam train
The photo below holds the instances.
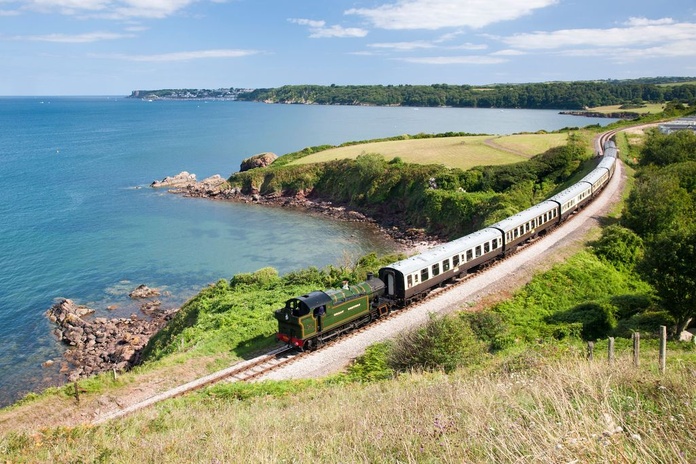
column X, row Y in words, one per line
column 307, row 321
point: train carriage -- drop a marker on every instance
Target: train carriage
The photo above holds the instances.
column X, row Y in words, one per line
column 597, row 178
column 527, row 224
column 414, row 277
column 573, row 198
column 608, row 164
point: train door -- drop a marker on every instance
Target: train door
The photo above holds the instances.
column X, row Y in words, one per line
column 391, row 282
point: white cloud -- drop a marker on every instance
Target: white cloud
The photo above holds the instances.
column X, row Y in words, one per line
column 639, row 33
column 74, row 38
column 319, row 30
column 187, row 56
column 436, row 14
column 469, row 46
column 508, row 52
column 475, row 59
column 403, row 46
column 112, row 9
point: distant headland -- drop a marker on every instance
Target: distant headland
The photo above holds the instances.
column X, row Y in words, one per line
column 573, row 96
column 189, row 94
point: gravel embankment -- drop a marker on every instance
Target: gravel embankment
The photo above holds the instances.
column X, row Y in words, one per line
column 496, row 283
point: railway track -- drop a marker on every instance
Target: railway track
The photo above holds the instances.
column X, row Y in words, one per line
column 260, row 366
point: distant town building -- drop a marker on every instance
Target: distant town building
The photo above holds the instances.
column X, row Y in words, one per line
column 688, row 123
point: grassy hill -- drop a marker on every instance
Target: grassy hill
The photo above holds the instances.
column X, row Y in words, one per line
column 453, row 152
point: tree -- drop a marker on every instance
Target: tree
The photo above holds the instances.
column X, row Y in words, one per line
column 619, row 246
column 661, row 149
column 669, row 266
column 657, row 203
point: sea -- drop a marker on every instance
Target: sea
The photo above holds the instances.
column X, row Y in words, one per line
column 79, row 220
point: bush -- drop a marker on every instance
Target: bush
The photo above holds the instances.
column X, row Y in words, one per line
column 597, row 319
column 372, row 365
column 489, row 328
column 444, row 343
column 619, row 246
column 264, row 277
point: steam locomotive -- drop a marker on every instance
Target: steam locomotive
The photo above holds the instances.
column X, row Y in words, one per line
column 307, row 321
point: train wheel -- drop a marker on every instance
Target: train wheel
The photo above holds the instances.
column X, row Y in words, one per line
column 310, row 345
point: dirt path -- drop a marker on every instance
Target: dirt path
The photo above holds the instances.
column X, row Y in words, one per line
column 491, row 143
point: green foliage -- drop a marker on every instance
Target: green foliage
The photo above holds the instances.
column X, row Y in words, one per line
column 597, row 319
column 669, row 267
column 657, row 203
column 619, row 246
column 241, row 391
column 488, row 327
column 664, row 149
column 372, row 365
column 264, row 277
column 531, row 313
column 551, row 95
column 447, row 202
column 443, row 343
column 228, row 316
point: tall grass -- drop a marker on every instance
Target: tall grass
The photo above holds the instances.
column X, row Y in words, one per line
column 565, row 411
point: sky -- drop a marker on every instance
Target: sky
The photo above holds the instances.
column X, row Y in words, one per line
column 111, row 47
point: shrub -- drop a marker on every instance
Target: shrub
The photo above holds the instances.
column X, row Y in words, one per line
column 372, row 365
column 263, row 277
column 443, row 343
column 619, row 246
column 489, row 328
column 597, row 319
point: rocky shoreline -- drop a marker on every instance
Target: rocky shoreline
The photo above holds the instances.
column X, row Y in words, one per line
column 217, row 188
column 100, row 344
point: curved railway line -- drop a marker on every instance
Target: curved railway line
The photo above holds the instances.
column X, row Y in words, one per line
column 270, row 365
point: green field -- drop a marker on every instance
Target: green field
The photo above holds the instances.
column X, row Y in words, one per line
column 652, row 108
column 455, row 152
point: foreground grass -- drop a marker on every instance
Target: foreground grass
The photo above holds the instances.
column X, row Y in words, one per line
column 568, row 410
column 454, row 152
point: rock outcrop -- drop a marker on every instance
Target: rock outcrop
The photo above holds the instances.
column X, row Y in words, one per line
column 98, row 344
column 143, row 291
column 180, row 180
column 258, row 161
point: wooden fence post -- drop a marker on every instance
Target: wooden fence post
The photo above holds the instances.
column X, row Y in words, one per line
column 590, row 351
column 663, row 349
column 636, row 349
column 611, row 350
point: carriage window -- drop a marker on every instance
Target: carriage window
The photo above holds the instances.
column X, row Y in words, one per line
column 436, row 269
column 455, row 261
column 486, row 247
column 446, row 265
column 424, row 274
column 495, row 243
column 469, row 255
column 517, row 233
column 409, row 281
column 415, row 277
column 478, row 251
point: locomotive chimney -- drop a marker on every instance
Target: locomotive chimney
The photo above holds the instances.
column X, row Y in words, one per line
column 370, row 276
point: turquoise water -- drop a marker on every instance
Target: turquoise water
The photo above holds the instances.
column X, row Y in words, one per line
column 79, row 220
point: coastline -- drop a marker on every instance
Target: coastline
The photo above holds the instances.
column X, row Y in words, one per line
column 408, row 239
column 97, row 345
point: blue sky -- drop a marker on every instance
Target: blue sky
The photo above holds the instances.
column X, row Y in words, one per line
column 110, row 47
